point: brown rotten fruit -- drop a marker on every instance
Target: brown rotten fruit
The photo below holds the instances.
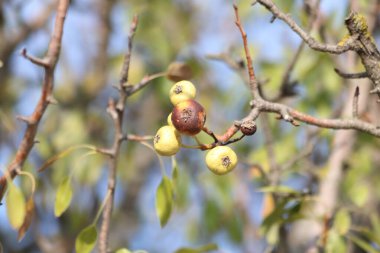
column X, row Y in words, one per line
column 248, row 127
column 188, row 117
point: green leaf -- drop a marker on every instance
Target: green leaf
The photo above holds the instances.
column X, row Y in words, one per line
column 235, row 228
column 335, row 243
column 366, row 246
column 273, row 234
column 342, row 221
column 175, row 171
column 369, row 233
column 16, row 206
column 359, row 194
column 211, row 216
column 164, row 200
column 63, row 197
column 86, row 240
column 278, row 189
column 202, row 249
column 124, row 250
column 375, row 221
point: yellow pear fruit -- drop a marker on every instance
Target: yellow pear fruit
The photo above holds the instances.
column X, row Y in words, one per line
column 221, row 160
column 181, row 91
column 167, row 141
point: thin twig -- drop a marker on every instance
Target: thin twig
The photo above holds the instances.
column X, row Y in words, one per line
column 116, row 110
column 289, row 114
column 133, row 137
column 359, row 40
column 131, row 89
column 357, row 124
column 233, row 140
column 287, row 87
column 11, row 41
column 352, row 75
column 48, row 63
column 252, row 78
column 333, row 49
column 127, row 57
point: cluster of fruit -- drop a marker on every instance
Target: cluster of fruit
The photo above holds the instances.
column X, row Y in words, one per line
column 188, row 118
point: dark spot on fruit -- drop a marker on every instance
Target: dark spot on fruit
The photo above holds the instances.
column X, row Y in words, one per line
column 186, row 114
column 178, row 89
column 156, row 139
column 226, row 161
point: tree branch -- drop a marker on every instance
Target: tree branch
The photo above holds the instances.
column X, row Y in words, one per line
column 50, row 61
column 289, row 114
column 349, row 44
column 116, row 110
column 252, row 78
column 287, row 86
column 359, row 40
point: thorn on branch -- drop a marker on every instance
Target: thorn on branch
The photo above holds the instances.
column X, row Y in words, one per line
column 117, row 87
column 111, row 108
column 272, row 19
column 240, row 63
column 52, row 100
column 355, row 103
column 38, row 61
column 27, row 119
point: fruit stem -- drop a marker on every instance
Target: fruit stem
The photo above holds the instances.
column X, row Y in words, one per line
column 233, row 140
column 209, row 132
column 192, row 146
column 158, row 156
column 197, row 140
column 100, row 210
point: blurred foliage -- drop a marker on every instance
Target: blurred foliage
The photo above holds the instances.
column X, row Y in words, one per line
column 198, row 211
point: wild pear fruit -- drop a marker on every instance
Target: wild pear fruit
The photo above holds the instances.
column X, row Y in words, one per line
column 188, row 117
column 167, row 141
column 181, row 91
column 221, row 160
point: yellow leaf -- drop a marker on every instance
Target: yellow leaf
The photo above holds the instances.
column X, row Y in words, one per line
column 268, row 205
column 28, row 219
column 16, row 206
column 63, row 197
